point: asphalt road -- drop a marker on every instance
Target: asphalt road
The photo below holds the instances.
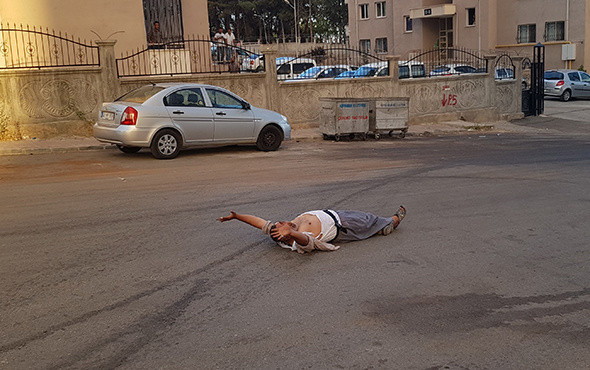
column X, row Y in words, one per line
column 116, row 261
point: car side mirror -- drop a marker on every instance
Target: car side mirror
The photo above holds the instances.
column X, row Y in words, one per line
column 245, row 105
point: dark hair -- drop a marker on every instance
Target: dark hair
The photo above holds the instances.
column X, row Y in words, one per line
column 270, row 233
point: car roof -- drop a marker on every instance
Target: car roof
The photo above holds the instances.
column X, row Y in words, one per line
column 182, row 84
column 376, row 64
column 562, row 70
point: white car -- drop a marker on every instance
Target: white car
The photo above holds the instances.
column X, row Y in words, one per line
column 253, row 63
column 167, row 117
column 453, row 69
column 319, row 72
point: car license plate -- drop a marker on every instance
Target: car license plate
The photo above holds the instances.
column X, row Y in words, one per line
column 107, row 116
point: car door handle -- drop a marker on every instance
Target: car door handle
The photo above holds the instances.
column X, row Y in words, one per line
column 178, row 112
column 220, row 113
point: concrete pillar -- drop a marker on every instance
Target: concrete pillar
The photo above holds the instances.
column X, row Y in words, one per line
column 393, row 66
column 517, row 60
column 110, row 81
column 273, row 101
column 491, row 60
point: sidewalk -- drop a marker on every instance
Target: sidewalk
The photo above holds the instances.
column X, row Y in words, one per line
column 80, row 144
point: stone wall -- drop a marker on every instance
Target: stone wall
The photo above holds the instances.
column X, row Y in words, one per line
column 48, row 103
column 65, row 102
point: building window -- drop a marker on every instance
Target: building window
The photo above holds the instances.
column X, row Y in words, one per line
column 381, row 45
column 380, row 9
column 364, row 11
column 365, row 46
column 554, row 31
column 470, row 16
column 526, row 33
column 168, row 15
column 407, row 23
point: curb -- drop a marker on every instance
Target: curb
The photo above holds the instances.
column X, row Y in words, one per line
column 301, row 134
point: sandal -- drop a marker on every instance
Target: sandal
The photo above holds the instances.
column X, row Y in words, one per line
column 401, row 213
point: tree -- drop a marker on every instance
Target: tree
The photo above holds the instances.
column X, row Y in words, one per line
column 272, row 20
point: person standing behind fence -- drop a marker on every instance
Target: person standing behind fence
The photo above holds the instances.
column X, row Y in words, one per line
column 155, row 37
column 230, row 41
column 219, row 38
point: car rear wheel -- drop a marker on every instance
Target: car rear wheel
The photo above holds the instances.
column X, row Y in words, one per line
column 128, row 149
column 566, row 96
column 166, row 144
column 269, row 139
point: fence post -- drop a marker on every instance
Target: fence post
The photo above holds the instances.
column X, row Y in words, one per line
column 518, row 75
column 110, row 81
column 491, row 65
column 272, row 85
column 392, row 62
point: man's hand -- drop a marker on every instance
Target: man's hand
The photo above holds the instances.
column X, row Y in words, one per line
column 282, row 231
column 231, row 216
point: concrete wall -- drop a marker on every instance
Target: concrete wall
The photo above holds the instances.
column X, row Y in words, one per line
column 65, row 102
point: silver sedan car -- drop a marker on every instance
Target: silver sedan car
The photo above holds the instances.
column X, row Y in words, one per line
column 168, row 117
column 567, row 84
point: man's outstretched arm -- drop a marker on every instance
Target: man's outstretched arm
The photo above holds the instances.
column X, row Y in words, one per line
column 255, row 221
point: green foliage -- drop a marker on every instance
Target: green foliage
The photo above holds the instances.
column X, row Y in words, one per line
column 269, row 20
column 582, row 68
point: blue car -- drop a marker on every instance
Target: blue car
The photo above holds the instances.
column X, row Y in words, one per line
column 343, row 75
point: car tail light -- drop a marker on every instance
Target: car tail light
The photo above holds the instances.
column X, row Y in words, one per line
column 129, row 116
column 560, row 83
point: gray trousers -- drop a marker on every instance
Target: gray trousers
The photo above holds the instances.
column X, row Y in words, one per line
column 360, row 225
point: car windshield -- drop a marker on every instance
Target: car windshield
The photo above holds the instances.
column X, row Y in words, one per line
column 365, row 71
column 441, row 69
column 553, row 75
column 141, row 94
column 310, row 72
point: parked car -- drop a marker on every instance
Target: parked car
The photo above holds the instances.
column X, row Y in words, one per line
column 319, row 72
column 377, row 69
column 289, row 67
column 566, row 84
column 508, row 74
column 345, row 74
column 411, row 69
column 253, row 63
column 370, row 70
column 167, row 117
column 452, row 69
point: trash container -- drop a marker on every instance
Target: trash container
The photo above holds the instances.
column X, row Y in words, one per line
column 344, row 117
column 389, row 115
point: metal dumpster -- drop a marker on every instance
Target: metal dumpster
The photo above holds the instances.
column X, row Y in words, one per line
column 344, row 117
column 389, row 115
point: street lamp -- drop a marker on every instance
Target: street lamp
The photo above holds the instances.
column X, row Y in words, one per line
column 294, row 6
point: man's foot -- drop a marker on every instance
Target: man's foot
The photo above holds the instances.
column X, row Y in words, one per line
column 397, row 218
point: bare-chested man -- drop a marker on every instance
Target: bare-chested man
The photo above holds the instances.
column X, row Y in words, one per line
column 316, row 230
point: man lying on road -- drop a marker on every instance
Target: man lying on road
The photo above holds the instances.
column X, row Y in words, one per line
column 316, row 230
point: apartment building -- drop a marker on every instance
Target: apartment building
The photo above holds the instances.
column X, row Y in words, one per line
column 406, row 27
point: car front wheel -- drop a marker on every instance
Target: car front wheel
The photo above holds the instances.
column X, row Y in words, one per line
column 269, row 139
column 566, row 96
column 166, row 144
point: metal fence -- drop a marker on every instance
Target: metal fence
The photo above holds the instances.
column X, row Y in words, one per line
column 329, row 62
column 449, row 61
column 23, row 47
column 194, row 56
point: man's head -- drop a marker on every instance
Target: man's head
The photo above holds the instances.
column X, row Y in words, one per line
column 281, row 224
column 156, row 25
